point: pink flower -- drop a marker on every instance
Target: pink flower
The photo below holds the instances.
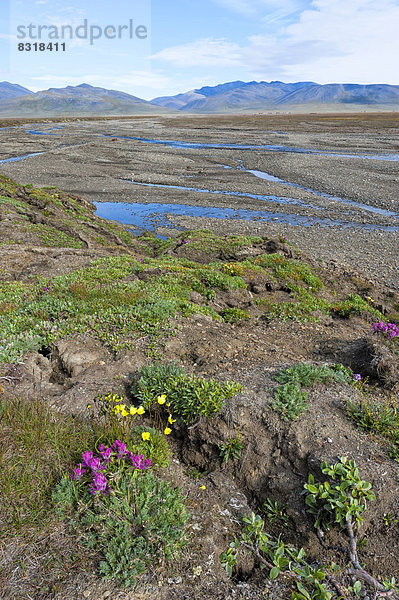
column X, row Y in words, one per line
column 87, row 456
column 99, row 484
column 78, row 472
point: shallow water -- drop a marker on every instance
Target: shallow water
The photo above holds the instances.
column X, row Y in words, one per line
column 277, row 199
column 153, row 215
column 367, row 207
column 17, row 158
column 199, row 145
column 271, row 147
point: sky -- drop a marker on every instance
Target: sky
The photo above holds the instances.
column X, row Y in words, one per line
column 152, row 48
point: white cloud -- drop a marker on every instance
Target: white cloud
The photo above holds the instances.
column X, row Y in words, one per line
column 333, row 40
column 253, row 7
column 205, row 52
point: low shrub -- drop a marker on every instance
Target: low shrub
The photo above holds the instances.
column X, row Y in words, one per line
column 340, row 501
column 188, row 396
column 233, row 315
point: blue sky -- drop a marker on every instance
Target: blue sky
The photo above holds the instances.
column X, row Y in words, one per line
column 191, row 43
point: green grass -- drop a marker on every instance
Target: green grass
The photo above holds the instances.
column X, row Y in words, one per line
column 380, row 417
column 189, row 397
column 37, row 447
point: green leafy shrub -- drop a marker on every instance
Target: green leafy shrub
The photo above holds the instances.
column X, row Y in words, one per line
column 290, row 401
column 140, row 523
column 340, row 500
column 354, row 305
column 288, row 268
column 275, row 511
column 279, row 558
column 233, row 315
column 188, row 396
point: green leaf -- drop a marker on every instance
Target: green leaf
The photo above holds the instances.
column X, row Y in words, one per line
column 357, row 587
column 275, row 572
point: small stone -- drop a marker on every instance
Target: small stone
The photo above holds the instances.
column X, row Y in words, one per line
column 106, row 594
column 179, row 580
column 329, row 440
column 86, row 593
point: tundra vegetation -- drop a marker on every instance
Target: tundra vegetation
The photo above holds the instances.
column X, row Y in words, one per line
column 108, row 476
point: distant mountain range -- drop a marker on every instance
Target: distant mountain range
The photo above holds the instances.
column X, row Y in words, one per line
column 12, row 90
column 232, row 97
column 239, row 96
column 82, row 100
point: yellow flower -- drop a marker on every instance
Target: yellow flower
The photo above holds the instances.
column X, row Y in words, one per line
column 167, row 431
column 203, row 487
column 140, row 410
column 133, row 410
column 170, row 420
column 161, row 399
column 124, row 413
column 116, row 409
column 145, row 435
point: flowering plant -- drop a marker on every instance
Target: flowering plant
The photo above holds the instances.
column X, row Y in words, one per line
column 118, row 505
column 97, row 470
column 390, row 330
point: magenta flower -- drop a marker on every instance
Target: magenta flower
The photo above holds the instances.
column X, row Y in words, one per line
column 139, row 462
column 120, row 448
column 106, row 453
column 389, row 329
column 78, row 472
column 95, row 464
column 99, row 484
column 87, row 456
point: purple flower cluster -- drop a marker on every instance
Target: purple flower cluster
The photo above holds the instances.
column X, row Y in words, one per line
column 389, row 329
column 357, row 377
column 94, row 465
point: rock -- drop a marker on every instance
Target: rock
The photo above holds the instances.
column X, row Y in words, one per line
column 73, row 357
column 196, row 298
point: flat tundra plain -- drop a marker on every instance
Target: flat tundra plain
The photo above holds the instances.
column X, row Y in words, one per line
column 328, row 183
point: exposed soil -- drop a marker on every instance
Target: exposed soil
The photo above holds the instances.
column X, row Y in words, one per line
column 278, row 455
